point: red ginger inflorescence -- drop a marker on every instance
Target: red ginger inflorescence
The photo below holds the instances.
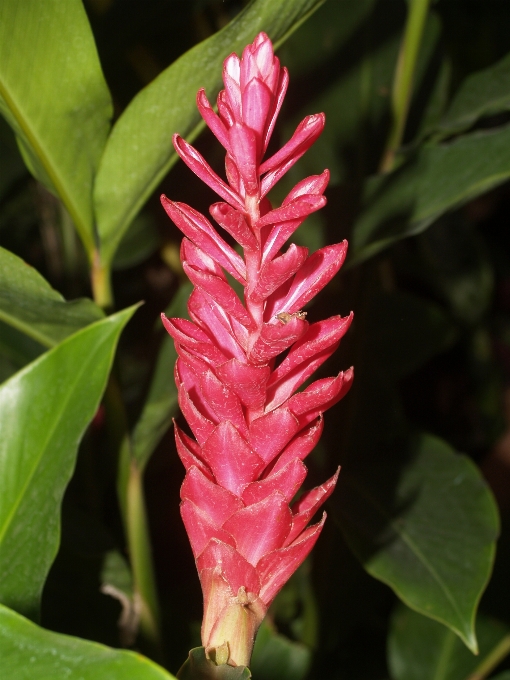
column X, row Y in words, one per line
column 252, row 429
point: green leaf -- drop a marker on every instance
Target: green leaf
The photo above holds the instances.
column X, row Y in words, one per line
column 483, row 93
column 275, row 657
column 428, row 532
column 502, row 676
column 44, row 410
column 54, row 96
column 422, row 649
column 139, row 152
column 438, row 178
column 29, row 652
column 29, row 304
column 161, row 403
column 198, row 667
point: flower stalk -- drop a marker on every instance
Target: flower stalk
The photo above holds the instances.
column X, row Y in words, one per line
column 251, row 428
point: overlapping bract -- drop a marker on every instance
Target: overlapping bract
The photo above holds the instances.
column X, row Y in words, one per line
column 252, row 429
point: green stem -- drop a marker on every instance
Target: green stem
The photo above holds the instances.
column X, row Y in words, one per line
column 134, row 516
column 140, row 551
column 403, row 81
column 101, row 285
column 493, row 659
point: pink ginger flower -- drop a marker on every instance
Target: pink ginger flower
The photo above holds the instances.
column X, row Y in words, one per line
column 252, row 429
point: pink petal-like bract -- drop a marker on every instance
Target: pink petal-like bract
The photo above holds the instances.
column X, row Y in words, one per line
column 252, row 427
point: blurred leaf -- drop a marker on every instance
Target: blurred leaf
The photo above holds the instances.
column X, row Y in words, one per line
column 16, row 350
column 422, row 649
column 295, row 608
column 161, row 403
column 29, row 652
column 117, row 582
column 198, row 667
column 502, row 676
column 405, row 331
column 437, row 101
column 319, row 38
column 140, row 241
column 116, row 573
column 429, row 532
column 483, row 93
column 12, row 166
column 438, row 178
column 356, row 96
column 44, row 410
column 456, row 265
column 139, row 152
column 275, row 657
column 54, row 96
column 29, row 304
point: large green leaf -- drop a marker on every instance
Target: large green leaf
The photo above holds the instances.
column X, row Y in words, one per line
column 429, row 533
column 481, row 94
column 44, row 410
column 139, row 152
column 53, row 94
column 29, row 652
column 422, row 649
column 161, row 403
column 438, row 178
column 29, row 304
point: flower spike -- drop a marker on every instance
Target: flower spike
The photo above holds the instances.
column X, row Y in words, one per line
column 252, row 428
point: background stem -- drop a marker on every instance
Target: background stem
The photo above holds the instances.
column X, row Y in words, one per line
column 130, row 486
column 493, row 659
column 403, row 81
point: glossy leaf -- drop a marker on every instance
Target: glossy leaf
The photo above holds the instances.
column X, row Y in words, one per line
column 438, row 178
column 161, row 403
column 198, row 667
column 275, row 657
column 29, row 652
column 30, row 305
column 139, row 152
column 483, row 93
column 422, row 649
column 429, row 533
column 54, row 96
column 44, row 410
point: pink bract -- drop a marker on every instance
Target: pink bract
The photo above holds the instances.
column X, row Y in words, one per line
column 252, row 429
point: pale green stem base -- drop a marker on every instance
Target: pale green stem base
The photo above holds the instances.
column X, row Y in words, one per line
column 101, row 286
